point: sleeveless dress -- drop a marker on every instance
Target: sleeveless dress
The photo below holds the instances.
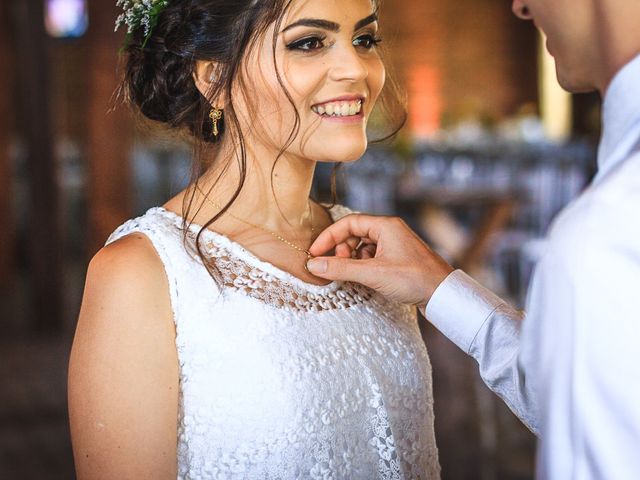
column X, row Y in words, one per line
column 282, row 379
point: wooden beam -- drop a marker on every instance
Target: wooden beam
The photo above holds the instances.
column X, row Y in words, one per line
column 44, row 240
column 108, row 130
column 7, row 231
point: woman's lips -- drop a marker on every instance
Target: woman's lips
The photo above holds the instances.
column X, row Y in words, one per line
column 345, row 109
column 357, row 118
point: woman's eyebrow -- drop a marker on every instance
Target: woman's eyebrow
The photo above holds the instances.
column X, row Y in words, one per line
column 314, row 22
column 366, row 21
column 328, row 25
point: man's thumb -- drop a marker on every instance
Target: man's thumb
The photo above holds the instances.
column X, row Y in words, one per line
column 343, row 269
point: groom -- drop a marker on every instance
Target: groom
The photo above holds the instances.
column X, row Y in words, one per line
column 575, row 353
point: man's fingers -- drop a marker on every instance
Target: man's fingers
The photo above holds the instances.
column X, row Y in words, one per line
column 366, row 252
column 343, row 250
column 344, row 269
column 346, row 248
column 353, row 225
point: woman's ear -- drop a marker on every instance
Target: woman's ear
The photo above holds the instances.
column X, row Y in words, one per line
column 204, row 77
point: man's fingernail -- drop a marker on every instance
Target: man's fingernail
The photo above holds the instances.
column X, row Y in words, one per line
column 317, row 265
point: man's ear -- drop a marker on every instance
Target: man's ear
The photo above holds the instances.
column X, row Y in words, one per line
column 204, row 76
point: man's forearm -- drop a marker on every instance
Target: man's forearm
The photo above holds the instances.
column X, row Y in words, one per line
column 488, row 329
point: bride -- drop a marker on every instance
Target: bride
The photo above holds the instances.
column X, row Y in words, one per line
column 204, row 348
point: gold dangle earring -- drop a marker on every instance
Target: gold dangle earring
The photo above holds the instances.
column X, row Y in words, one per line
column 215, row 115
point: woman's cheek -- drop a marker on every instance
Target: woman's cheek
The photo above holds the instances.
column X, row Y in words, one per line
column 378, row 79
column 302, row 81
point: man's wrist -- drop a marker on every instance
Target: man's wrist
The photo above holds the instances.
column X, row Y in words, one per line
column 433, row 282
column 459, row 307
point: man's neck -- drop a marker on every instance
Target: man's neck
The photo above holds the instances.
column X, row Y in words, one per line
column 621, row 111
column 617, row 37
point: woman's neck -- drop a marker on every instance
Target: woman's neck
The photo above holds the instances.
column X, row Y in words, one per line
column 278, row 202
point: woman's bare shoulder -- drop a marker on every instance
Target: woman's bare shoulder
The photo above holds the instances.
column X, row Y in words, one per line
column 126, row 279
column 130, row 262
column 134, row 249
column 123, row 370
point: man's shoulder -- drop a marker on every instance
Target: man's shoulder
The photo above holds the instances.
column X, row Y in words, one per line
column 622, row 184
column 605, row 217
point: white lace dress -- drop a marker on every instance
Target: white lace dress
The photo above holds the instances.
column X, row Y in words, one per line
column 281, row 379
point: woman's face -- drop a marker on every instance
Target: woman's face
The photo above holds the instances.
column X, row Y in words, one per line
column 328, row 62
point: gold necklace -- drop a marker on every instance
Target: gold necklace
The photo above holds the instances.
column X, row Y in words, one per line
column 260, row 227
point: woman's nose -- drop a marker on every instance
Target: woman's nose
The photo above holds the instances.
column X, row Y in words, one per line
column 348, row 65
column 521, row 10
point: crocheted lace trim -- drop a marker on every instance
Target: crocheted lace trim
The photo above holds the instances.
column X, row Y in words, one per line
column 255, row 282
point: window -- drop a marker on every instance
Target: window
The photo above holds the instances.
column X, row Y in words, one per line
column 66, row 18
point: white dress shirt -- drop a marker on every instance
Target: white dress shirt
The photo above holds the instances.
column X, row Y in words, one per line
column 568, row 369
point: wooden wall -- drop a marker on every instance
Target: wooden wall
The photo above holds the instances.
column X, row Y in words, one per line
column 109, row 134
column 7, row 246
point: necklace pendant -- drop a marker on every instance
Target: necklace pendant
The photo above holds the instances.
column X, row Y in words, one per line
column 309, row 257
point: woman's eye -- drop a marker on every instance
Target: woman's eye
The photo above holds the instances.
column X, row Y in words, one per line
column 307, row 44
column 367, row 41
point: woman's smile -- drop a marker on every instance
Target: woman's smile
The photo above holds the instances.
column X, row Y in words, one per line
column 345, row 109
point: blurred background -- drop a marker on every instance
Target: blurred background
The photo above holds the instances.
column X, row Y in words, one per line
column 492, row 150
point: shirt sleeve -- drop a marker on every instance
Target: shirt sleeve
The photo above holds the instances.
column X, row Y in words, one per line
column 487, row 328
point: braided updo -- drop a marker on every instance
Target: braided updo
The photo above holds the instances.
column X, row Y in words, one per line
column 158, row 77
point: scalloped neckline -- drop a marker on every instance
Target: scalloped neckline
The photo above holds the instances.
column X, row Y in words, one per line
column 250, row 258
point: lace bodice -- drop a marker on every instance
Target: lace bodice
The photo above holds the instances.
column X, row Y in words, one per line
column 282, row 379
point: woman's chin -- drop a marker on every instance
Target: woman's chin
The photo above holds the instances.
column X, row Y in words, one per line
column 347, row 154
column 341, row 158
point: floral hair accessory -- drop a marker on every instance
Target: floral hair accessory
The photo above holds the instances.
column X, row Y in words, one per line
column 139, row 13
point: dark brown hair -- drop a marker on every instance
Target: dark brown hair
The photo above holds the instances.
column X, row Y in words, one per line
column 158, row 78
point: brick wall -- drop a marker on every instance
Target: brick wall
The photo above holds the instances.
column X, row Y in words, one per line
column 460, row 59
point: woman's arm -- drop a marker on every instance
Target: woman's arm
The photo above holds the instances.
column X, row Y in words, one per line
column 123, row 371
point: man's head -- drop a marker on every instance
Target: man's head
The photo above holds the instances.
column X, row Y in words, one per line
column 589, row 39
column 569, row 27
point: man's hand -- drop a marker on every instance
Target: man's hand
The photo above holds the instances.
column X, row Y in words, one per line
column 382, row 253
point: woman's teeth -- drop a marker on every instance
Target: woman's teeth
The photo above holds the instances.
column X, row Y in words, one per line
column 338, row 109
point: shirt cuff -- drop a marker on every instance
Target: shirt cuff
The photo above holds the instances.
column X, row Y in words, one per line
column 459, row 307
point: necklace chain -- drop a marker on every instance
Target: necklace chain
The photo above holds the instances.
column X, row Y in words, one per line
column 260, row 227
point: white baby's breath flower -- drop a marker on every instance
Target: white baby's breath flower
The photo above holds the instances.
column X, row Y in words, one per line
column 139, row 13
